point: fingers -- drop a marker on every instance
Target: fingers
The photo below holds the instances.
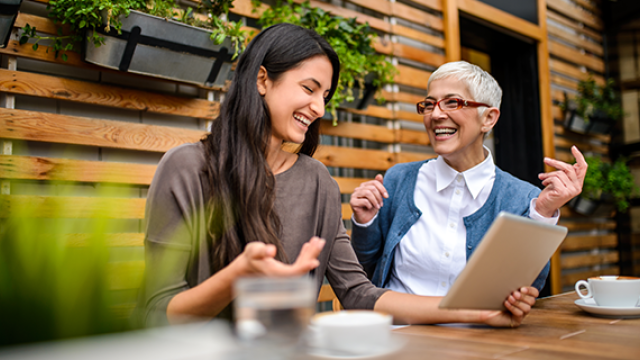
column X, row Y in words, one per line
column 581, row 164
column 308, row 258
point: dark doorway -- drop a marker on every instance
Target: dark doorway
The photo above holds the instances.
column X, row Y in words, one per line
column 514, row 64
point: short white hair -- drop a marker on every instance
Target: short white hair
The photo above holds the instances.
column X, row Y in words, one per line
column 480, row 84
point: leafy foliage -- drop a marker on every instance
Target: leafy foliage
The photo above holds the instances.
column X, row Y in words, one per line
column 82, row 15
column 606, row 178
column 350, row 40
column 593, row 97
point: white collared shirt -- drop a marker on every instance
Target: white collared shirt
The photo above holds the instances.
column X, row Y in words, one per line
column 432, row 253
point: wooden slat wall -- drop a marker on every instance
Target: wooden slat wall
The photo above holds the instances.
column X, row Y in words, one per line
column 575, row 48
column 82, row 127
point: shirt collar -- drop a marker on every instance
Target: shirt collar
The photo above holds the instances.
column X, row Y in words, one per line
column 475, row 178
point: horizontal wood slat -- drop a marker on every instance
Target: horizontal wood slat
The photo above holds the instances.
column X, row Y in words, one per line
column 38, row 126
column 348, row 185
column 585, row 226
column 111, row 239
column 404, row 97
column 412, row 77
column 409, row 115
column 53, row 87
column 575, row 12
column 417, row 16
column 354, row 158
column 43, row 168
column 574, row 25
column 433, row 4
column 587, row 242
column 573, row 71
column 42, row 24
column 577, row 261
column 417, row 35
column 125, row 275
column 71, row 207
column 582, row 145
column 575, row 56
column 412, row 137
column 564, row 82
column 560, row 130
column 576, row 40
column 415, row 54
column 374, row 22
column 374, row 111
column 572, row 278
column 404, row 157
column 357, row 131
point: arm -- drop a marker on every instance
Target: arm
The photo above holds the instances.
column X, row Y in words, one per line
column 414, row 309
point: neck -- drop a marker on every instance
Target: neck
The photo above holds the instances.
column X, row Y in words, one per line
column 277, row 159
column 468, row 160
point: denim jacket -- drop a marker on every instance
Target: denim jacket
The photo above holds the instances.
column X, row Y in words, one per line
column 375, row 245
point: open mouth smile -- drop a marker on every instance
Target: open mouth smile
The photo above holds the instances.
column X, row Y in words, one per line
column 302, row 119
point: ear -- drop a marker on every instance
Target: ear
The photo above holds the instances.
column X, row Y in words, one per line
column 490, row 118
column 262, row 80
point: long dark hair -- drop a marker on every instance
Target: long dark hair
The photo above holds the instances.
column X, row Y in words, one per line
column 242, row 196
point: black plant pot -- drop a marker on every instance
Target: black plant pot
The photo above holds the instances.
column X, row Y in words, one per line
column 598, row 122
column 163, row 48
column 363, row 97
column 596, row 208
column 8, row 14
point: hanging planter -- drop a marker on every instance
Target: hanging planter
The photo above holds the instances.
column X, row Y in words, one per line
column 598, row 122
column 8, row 14
column 167, row 49
column 602, row 207
column 362, row 97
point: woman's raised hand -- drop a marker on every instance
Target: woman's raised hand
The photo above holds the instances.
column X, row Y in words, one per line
column 258, row 259
column 367, row 198
column 561, row 185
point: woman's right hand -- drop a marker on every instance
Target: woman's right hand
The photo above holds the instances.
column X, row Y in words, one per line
column 258, row 259
column 367, row 199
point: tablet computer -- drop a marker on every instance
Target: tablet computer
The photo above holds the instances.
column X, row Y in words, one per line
column 511, row 255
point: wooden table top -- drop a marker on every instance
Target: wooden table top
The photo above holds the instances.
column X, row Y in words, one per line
column 555, row 329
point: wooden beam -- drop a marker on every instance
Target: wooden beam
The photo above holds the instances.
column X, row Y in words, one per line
column 574, row 25
column 418, row 35
column 578, row 41
column 353, row 157
column 53, row 87
column 451, row 30
column 501, row 18
column 403, row 157
column 71, row 207
column 575, row 56
column 62, row 129
column 348, row 185
column 412, row 77
column 412, row 137
column 15, row 167
column 357, row 131
column 417, row 16
column 588, row 242
column 415, row 54
column 575, row 12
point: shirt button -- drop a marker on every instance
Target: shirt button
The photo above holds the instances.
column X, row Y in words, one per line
column 452, row 225
column 446, row 254
column 444, row 284
column 457, row 192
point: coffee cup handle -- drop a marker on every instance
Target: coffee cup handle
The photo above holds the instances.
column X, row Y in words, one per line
column 586, row 285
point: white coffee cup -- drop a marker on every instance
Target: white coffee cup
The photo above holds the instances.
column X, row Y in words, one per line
column 611, row 291
column 351, row 332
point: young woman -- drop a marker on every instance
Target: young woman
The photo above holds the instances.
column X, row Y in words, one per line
column 236, row 204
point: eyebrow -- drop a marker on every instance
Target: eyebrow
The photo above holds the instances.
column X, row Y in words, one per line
column 447, row 96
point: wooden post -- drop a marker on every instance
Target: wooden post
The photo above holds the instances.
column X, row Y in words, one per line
column 451, row 30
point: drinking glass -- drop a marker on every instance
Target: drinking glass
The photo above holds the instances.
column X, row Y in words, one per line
column 272, row 314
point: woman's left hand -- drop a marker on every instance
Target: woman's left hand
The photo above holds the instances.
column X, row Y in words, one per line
column 518, row 305
column 561, row 185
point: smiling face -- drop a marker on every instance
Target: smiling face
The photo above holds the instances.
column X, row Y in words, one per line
column 296, row 99
column 457, row 135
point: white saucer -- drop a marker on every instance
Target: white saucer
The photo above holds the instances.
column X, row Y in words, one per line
column 590, row 306
column 395, row 344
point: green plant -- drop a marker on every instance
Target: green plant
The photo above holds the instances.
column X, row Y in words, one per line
column 81, row 15
column 593, row 98
column 350, row 40
column 613, row 179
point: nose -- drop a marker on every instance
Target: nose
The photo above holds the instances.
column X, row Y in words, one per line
column 317, row 106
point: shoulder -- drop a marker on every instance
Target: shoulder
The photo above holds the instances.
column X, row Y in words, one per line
column 182, row 164
column 508, row 181
column 403, row 170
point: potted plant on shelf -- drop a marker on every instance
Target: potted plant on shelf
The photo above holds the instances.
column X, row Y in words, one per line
column 607, row 187
column 149, row 37
column 595, row 109
column 362, row 70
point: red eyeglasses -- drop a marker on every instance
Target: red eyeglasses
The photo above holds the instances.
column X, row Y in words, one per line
column 449, row 104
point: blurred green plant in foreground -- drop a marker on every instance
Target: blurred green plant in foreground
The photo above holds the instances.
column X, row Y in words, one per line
column 49, row 288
